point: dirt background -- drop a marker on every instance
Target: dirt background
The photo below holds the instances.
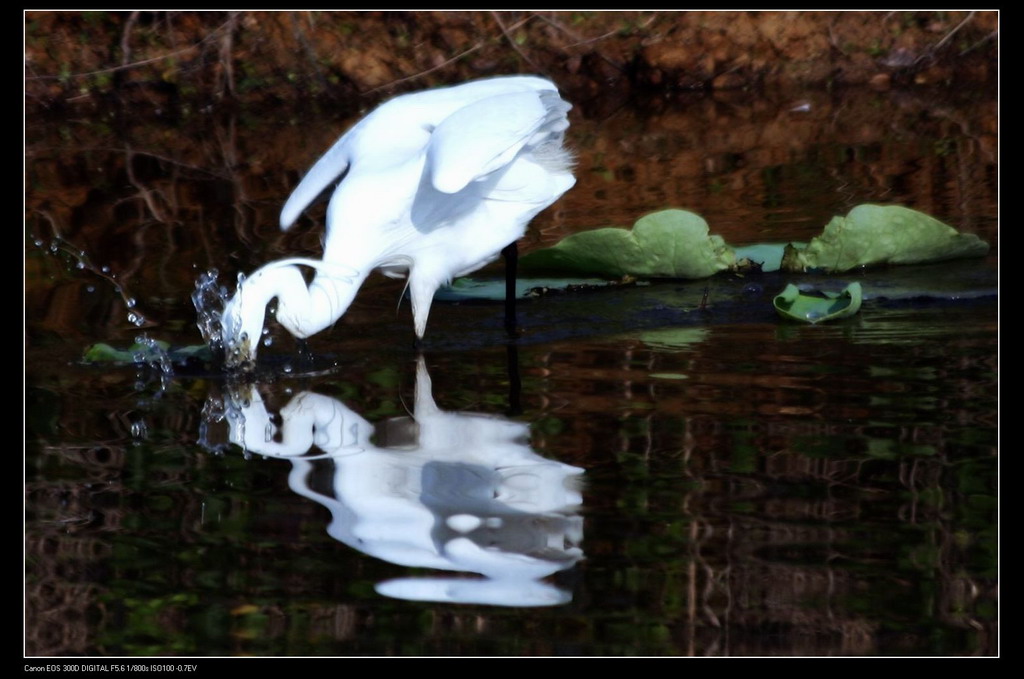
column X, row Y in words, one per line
column 171, row 60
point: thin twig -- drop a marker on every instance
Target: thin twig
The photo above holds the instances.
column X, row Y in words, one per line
column 580, row 41
column 832, row 36
column 511, row 41
column 429, row 70
column 126, row 47
column 442, row 65
column 136, row 64
column 38, row 151
column 988, row 37
column 307, row 47
column 227, row 41
column 145, row 193
column 949, row 35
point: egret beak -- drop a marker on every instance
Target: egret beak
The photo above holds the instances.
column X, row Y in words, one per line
column 302, row 310
column 241, row 328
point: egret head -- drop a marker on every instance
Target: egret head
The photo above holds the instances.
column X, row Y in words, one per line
column 303, row 309
column 242, row 327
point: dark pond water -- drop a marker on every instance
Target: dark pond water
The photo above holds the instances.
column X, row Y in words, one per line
column 636, row 475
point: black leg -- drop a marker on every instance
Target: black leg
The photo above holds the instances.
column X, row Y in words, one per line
column 515, row 385
column 511, row 254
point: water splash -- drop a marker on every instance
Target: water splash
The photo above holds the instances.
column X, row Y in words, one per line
column 78, row 259
column 155, row 354
column 209, row 299
column 213, row 434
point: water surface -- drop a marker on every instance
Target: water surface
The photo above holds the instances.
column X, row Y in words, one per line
column 637, row 475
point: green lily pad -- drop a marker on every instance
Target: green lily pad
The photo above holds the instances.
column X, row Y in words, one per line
column 816, row 307
column 881, row 234
column 144, row 353
column 665, row 244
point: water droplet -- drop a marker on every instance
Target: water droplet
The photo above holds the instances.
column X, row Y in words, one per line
column 90, row 288
column 136, row 319
column 139, row 429
column 288, row 367
column 268, row 341
column 105, row 269
column 38, row 242
column 80, row 265
column 130, row 302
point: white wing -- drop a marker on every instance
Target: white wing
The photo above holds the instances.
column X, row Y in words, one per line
column 331, row 165
column 466, row 140
column 486, row 135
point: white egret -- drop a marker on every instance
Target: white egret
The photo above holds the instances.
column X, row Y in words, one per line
column 435, row 184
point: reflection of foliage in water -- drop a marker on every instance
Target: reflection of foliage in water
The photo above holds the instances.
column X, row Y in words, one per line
column 767, row 524
column 777, row 530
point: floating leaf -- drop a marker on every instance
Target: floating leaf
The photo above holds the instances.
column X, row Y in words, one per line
column 144, row 353
column 881, row 234
column 666, row 244
column 815, row 307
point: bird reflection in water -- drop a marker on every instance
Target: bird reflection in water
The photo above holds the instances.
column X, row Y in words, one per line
column 446, row 490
